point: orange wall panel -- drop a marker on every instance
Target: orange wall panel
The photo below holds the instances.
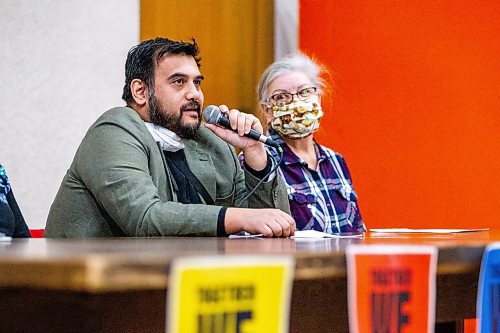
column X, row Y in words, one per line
column 415, row 107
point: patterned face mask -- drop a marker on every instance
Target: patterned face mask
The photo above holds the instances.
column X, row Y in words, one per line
column 297, row 119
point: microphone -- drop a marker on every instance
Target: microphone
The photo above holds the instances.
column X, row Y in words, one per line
column 213, row 115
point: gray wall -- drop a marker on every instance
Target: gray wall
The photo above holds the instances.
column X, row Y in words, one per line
column 61, row 67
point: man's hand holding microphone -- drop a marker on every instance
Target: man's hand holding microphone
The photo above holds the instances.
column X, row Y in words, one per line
column 244, row 131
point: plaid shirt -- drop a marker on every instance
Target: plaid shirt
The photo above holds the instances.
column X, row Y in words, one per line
column 321, row 199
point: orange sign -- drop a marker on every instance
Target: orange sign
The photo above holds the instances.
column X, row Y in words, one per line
column 391, row 289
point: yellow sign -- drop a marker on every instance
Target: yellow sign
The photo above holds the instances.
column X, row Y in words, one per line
column 230, row 294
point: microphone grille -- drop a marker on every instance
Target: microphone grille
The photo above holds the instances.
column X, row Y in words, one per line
column 211, row 114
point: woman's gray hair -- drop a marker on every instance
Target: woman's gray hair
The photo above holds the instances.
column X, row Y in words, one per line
column 294, row 62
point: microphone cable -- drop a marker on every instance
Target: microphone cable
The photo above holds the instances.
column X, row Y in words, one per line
column 278, row 162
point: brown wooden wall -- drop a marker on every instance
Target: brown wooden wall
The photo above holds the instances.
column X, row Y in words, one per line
column 235, row 39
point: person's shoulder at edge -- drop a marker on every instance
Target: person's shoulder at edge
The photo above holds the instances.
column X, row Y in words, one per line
column 3, row 175
column 21, row 229
column 4, row 184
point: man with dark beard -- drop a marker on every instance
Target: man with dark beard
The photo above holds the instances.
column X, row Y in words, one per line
column 152, row 169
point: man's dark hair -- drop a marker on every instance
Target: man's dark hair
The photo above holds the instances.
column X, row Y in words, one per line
column 142, row 59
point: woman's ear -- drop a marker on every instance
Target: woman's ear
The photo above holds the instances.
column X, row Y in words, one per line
column 267, row 111
column 139, row 91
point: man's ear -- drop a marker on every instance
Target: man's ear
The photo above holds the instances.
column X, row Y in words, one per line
column 139, row 91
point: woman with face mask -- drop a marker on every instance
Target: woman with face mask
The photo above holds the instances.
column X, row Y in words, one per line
column 318, row 181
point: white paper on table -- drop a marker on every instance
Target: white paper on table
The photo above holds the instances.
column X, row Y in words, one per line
column 244, row 234
column 300, row 234
column 425, row 231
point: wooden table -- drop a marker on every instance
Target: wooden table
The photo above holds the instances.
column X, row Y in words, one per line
column 120, row 285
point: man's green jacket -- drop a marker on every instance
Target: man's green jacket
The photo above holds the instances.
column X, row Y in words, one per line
column 119, row 184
